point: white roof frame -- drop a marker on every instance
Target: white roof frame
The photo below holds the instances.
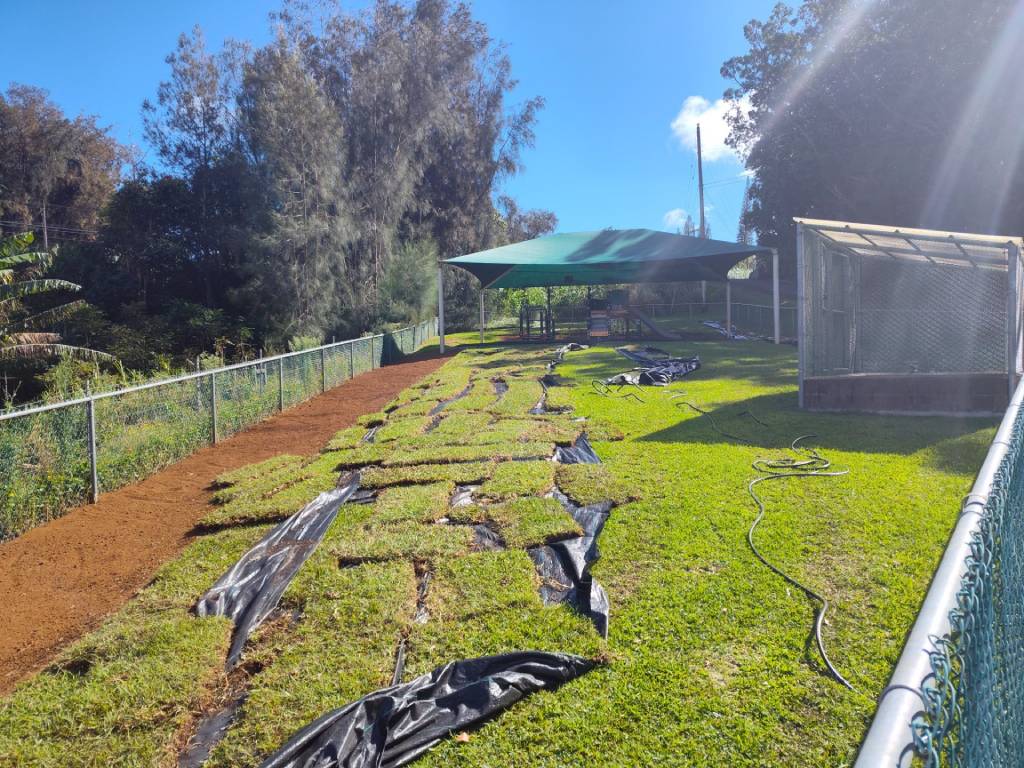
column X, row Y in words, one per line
column 921, row 245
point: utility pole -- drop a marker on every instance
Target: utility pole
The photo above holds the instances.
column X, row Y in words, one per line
column 700, row 184
column 703, row 229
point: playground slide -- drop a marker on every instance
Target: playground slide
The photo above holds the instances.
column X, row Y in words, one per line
column 650, row 325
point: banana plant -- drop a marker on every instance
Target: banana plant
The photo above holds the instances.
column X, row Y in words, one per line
column 22, row 334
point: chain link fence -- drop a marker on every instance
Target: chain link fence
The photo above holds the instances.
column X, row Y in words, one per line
column 747, row 318
column 55, row 456
column 956, row 696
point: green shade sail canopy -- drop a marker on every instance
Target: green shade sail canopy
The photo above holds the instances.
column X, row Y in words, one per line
column 605, row 256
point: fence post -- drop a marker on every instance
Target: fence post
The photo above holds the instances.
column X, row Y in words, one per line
column 213, row 403
column 323, row 370
column 280, row 384
column 351, row 360
column 90, row 409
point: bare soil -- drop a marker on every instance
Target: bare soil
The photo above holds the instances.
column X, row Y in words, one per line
column 59, row 580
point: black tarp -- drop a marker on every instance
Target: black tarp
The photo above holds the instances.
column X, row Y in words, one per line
column 393, row 726
column 580, row 452
column 252, row 588
column 656, row 367
column 564, row 566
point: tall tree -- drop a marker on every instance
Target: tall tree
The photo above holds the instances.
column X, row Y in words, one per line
column 194, row 128
column 56, row 173
column 525, row 225
column 893, row 112
column 296, row 272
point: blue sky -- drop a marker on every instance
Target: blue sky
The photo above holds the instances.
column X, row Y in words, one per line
column 615, row 76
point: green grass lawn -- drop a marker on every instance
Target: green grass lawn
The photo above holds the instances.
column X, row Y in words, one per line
column 710, row 658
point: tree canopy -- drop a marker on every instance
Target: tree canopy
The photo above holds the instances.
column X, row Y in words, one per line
column 897, row 112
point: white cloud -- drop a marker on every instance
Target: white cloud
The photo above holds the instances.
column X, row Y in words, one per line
column 713, row 127
column 675, row 218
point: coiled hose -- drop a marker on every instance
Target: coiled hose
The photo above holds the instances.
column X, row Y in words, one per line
column 813, row 464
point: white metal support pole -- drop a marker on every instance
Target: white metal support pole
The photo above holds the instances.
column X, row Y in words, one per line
column 481, row 314
column 775, row 296
column 90, row 410
column 213, row 405
column 323, row 369
column 801, row 320
column 728, row 308
column 1012, row 314
column 440, row 305
column 551, row 326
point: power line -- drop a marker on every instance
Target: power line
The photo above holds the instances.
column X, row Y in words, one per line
column 50, row 228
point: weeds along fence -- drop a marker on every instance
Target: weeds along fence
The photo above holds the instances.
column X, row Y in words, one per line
column 58, row 455
column 956, row 696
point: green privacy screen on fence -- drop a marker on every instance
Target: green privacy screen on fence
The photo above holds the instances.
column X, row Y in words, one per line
column 46, row 465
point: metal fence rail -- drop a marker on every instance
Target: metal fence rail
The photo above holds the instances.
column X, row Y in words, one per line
column 956, row 696
column 57, row 455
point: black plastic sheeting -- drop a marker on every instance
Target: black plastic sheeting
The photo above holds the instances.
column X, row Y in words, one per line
column 580, row 452
column 393, row 726
column 445, row 403
column 717, row 326
column 564, row 566
column 654, row 371
column 570, row 347
column 252, row 588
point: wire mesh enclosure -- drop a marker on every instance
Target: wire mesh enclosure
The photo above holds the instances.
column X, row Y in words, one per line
column 905, row 319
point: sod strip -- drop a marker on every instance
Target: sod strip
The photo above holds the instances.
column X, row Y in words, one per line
column 250, row 590
column 342, row 647
column 123, row 694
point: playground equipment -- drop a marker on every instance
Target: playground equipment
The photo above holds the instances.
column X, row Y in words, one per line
column 611, row 317
column 530, row 314
column 616, row 316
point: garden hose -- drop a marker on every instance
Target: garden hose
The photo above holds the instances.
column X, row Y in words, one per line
column 600, row 388
column 714, row 424
column 812, row 465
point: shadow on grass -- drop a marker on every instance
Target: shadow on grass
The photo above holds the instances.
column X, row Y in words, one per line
column 957, row 444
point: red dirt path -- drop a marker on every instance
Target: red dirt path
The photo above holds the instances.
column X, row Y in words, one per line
column 59, row 580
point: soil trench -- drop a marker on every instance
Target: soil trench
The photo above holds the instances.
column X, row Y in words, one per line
column 59, row 580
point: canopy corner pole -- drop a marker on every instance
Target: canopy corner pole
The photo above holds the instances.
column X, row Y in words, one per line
column 440, row 304
column 801, row 314
column 482, row 321
column 776, row 319
column 728, row 308
column 1012, row 314
column 551, row 321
